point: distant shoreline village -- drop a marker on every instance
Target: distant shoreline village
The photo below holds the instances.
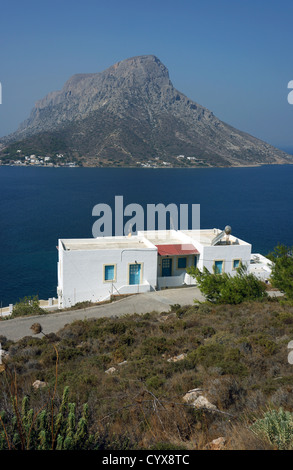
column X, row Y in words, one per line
column 33, row 160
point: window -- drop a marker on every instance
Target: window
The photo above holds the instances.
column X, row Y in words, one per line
column 109, row 272
column 236, row 263
column 219, row 266
column 195, row 261
column 181, row 263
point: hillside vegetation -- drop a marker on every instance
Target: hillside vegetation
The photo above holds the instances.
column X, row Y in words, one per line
column 235, row 354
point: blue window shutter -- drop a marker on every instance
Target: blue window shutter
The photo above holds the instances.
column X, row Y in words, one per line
column 218, row 266
column 109, row 272
column 181, row 262
column 236, row 263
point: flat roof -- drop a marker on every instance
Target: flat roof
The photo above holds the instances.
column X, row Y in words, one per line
column 153, row 238
column 104, row 243
column 163, row 237
column 207, row 236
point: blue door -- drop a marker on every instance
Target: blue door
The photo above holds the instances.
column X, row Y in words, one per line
column 134, row 273
column 166, row 267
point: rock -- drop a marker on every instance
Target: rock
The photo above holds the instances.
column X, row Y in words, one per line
column 110, row 371
column 195, row 398
column 203, row 402
column 176, row 358
column 39, row 384
column 216, row 444
column 122, row 363
column 192, row 395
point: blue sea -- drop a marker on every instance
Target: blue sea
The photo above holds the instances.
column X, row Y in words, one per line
column 40, row 205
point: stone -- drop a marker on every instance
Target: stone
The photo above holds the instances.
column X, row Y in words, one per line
column 110, row 371
column 195, row 398
column 39, row 384
column 203, row 402
column 216, row 444
column 180, row 357
column 192, row 395
column 122, row 363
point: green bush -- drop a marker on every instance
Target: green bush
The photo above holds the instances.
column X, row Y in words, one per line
column 27, row 306
column 154, row 345
column 218, row 355
column 277, row 428
column 282, row 269
column 267, row 345
column 155, row 382
column 227, row 289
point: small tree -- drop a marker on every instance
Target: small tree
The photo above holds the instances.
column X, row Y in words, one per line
column 224, row 288
column 282, row 269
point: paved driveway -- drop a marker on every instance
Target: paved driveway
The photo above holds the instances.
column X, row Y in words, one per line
column 160, row 301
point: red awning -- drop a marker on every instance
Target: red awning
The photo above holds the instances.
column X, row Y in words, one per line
column 184, row 249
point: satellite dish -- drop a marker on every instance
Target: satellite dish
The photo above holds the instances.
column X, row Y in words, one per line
column 228, row 230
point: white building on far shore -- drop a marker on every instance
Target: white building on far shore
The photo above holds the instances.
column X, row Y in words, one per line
column 97, row 268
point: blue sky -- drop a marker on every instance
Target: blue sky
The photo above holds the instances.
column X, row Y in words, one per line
column 234, row 57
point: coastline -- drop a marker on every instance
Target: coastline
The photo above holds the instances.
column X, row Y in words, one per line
column 169, row 167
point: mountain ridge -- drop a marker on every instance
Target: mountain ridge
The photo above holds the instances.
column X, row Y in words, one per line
column 130, row 114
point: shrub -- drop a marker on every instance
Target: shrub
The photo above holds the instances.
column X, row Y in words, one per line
column 268, row 346
column 276, row 427
column 154, row 345
column 227, row 289
column 27, row 306
column 208, row 331
column 218, row 355
column 282, row 269
column 155, row 382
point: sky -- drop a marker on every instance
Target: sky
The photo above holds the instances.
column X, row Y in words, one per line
column 234, row 57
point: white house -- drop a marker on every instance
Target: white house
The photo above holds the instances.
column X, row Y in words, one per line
column 95, row 269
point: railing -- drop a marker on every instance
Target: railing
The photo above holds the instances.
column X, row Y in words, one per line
column 127, row 289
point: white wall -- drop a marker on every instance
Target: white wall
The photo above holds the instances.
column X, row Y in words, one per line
column 81, row 273
column 227, row 253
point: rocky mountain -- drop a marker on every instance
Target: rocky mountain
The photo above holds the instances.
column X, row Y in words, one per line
column 131, row 114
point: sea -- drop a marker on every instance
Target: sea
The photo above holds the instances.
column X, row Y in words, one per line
column 40, row 205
